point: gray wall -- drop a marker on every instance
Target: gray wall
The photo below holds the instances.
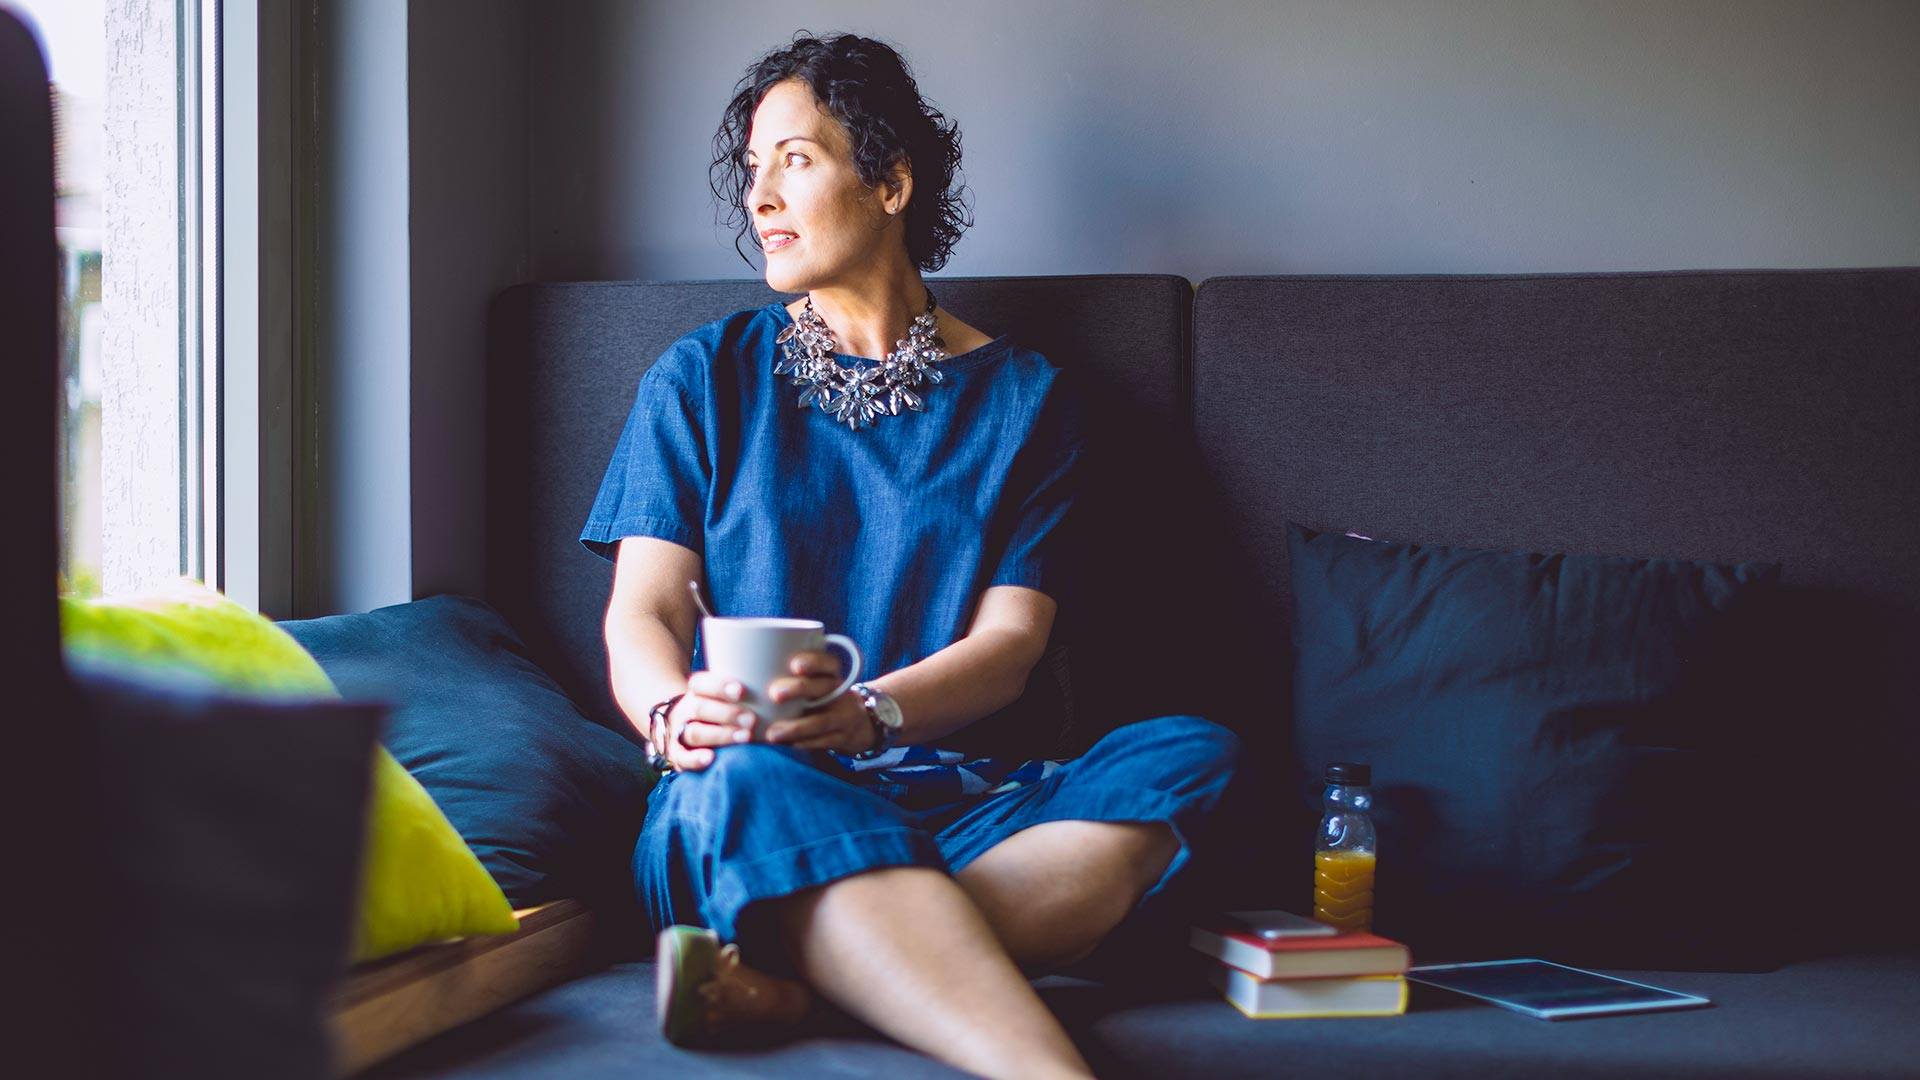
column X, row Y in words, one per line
column 467, row 110
column 462, row 147
column 357, row 506
column 420, row 182
column 1211, row 137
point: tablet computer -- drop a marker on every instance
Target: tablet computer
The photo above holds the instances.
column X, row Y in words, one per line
column 1550, row 991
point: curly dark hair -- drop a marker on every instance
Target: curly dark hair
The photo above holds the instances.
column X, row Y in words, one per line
column 865, row 85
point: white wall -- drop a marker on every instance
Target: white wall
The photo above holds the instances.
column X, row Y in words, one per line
column 140, row 298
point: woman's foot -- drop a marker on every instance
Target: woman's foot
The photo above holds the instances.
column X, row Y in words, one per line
column 706, row 992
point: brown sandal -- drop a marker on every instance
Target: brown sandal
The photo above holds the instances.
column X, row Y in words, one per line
column 705, row 992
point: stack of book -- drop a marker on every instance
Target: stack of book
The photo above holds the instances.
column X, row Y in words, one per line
column 1346, row 974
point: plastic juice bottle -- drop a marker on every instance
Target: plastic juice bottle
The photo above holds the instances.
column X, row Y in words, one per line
column 1343, row 853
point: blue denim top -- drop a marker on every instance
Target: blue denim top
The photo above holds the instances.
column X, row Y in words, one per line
column 888, row 533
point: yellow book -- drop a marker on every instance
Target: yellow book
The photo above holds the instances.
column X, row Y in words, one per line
column 1299, row 999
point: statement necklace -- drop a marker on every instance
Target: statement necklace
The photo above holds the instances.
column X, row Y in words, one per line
column 859, row 395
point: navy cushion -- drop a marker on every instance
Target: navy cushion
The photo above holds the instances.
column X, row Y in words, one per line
column 550, row 801
column 234, row 828
column 1555, row 742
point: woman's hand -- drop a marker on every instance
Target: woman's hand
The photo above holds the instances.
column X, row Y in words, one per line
column 840, row 724
column 709, row 716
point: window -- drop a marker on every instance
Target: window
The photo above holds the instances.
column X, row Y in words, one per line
column 135, row 219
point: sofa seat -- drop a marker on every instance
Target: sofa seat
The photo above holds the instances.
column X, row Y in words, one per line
column 1841, row 1016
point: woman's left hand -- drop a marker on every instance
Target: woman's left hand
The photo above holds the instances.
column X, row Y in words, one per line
column 840, row 724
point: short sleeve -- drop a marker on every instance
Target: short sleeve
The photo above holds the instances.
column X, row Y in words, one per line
column 657, row 482
column 1044, row 484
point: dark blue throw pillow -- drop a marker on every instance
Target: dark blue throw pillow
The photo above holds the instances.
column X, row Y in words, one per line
column 550, row 801
column 1565, row 759
column 229, row 872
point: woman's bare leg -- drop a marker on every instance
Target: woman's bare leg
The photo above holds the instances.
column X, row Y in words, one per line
column 1052, row 891
column 938, row 967
column 904, row 950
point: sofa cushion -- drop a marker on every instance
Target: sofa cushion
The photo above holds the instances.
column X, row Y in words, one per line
column 549, row 800
column 227, row 895
column 1551, row 745
column 1841, row 1016
column 1726, row 415
column 419, row 880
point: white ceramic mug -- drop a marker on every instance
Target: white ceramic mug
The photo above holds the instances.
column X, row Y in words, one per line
column 757, row 651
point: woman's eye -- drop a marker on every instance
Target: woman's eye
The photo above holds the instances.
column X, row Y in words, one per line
column 754, row 166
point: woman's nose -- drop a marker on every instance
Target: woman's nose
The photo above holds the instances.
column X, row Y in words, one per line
column 760, row 193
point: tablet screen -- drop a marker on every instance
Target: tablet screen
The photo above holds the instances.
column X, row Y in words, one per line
column 1538, row 986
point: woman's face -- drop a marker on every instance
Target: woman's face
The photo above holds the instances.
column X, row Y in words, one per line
column 804, row 182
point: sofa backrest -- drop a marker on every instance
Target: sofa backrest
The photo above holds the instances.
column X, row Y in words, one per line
column 1713, row 415
column 1753, row 415
column 565, row 359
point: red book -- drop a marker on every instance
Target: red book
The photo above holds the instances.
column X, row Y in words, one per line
column 1303, row 957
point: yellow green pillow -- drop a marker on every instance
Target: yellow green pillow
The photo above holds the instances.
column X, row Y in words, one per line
column 419, row 880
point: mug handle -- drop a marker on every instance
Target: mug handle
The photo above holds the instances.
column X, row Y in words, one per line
column 853, row 670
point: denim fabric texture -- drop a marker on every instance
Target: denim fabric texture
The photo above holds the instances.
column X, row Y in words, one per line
column 887, row 534
column 764, row 821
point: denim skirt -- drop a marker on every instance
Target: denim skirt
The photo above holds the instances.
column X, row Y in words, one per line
column 764, row 821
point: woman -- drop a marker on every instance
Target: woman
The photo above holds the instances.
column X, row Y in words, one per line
column 855, row 852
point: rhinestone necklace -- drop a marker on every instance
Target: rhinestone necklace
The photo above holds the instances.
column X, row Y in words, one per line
column 859, row 395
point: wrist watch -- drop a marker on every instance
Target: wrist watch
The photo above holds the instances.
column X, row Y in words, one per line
column 884, row 713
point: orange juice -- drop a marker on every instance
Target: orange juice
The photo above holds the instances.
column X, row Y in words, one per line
column 1343, row 889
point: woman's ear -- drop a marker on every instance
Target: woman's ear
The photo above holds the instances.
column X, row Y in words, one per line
column 899, row 188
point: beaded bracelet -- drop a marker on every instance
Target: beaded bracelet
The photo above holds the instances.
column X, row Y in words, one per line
column 656, row 757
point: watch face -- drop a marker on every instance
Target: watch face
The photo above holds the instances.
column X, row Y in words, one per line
column 887, row 709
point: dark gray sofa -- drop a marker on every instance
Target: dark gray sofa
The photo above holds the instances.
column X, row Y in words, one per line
column 1721, row 415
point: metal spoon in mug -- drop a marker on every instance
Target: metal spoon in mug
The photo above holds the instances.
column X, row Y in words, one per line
column 702, row 604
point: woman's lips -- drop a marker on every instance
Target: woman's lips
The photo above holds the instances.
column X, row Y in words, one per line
column 779, row 242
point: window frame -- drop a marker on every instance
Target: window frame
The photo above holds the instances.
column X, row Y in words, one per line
column 251, row 401
column 235, row 75
column 198, row 24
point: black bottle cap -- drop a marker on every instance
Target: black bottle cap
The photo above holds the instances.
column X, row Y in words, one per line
column 1349, row 772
